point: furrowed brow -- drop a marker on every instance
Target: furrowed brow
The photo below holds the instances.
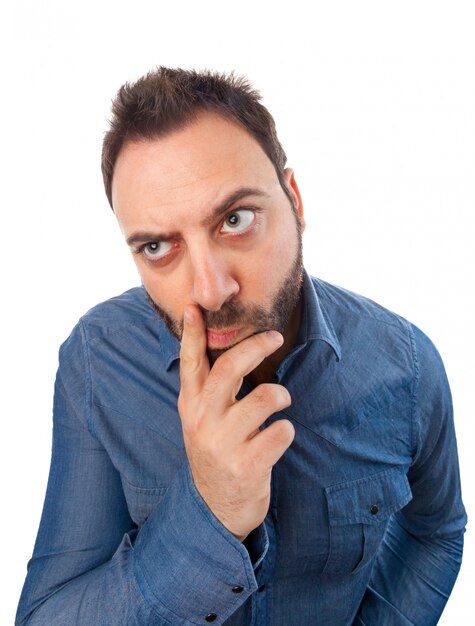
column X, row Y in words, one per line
column 145, row 236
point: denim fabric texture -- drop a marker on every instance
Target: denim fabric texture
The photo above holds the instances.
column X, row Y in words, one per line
column 366, row 520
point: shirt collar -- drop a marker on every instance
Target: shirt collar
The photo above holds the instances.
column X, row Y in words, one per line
column 314, row 321
column 169, row 345
column 314, row 325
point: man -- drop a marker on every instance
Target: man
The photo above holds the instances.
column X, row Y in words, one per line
column 269, row 448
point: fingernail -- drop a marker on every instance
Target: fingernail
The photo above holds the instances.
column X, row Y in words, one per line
column 275, row 336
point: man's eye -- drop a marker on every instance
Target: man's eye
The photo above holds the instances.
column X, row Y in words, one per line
column 237, row 221
column 156, row 249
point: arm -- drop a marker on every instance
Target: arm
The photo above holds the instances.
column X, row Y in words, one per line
column 92, row 566
column 420, row 557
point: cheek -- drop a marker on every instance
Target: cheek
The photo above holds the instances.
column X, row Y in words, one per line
column 168, row 290
column 280, row 250
column 262, row 275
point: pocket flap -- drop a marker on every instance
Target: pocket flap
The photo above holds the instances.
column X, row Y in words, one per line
column 368, row 500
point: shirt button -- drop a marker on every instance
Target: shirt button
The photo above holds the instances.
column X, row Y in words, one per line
column 211, row 617
column 237, row 589
column 374, row 509
column 261, row 588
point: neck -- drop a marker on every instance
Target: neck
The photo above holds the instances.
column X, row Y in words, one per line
column 265, row 372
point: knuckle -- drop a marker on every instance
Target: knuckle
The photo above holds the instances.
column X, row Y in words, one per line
column 262, row 396
column 272, row 395
column 261, row 342
column 213, row 449
column 224, row 367
column 251, row 345
column 188, row 363
column 240, row 414
column 244, row 419
column 244, row 347
column 209, row 390
column 235, row 468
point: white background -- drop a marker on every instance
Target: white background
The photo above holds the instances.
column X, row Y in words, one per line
column 375, row 105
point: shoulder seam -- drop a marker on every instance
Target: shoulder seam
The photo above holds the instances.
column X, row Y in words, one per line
column 87, row 378
column 395, row 320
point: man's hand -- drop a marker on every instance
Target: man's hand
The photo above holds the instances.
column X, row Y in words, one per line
column 231, row 460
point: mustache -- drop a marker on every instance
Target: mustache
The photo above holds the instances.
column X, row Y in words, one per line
column 234, row 312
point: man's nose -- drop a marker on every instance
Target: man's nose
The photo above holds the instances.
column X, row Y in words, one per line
column 213, row 283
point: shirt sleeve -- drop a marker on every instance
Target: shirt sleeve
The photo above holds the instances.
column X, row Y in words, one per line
column 421, row 553
column 92, row 565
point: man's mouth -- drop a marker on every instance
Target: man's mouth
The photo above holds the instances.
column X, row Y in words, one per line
column 222, row 338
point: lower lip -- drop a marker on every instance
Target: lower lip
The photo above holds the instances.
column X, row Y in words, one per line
column 221, row 340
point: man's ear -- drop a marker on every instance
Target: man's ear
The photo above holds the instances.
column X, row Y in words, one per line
column 294, row 191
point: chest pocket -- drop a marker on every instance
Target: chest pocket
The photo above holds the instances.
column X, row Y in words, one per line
column 358, row 513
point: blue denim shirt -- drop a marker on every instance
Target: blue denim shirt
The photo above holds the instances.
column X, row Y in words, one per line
column 366, row 521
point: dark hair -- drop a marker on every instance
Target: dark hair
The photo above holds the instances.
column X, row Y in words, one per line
column 166, row 99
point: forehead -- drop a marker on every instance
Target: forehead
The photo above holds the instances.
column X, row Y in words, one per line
column 188, row 170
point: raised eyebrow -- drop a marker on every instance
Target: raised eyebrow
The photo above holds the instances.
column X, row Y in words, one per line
column 239, row 194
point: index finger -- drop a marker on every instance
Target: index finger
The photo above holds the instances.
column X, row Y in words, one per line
column 194, row 364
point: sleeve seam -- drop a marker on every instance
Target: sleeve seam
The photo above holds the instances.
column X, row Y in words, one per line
column 415, row 387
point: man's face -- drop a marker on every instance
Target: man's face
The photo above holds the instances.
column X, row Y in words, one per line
column 209, row 224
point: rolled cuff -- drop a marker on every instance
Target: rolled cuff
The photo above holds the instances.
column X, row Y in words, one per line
column 188, row 565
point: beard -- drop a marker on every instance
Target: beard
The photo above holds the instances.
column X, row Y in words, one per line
column 235, row 313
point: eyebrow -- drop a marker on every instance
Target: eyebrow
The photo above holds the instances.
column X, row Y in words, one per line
column 235, row 196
